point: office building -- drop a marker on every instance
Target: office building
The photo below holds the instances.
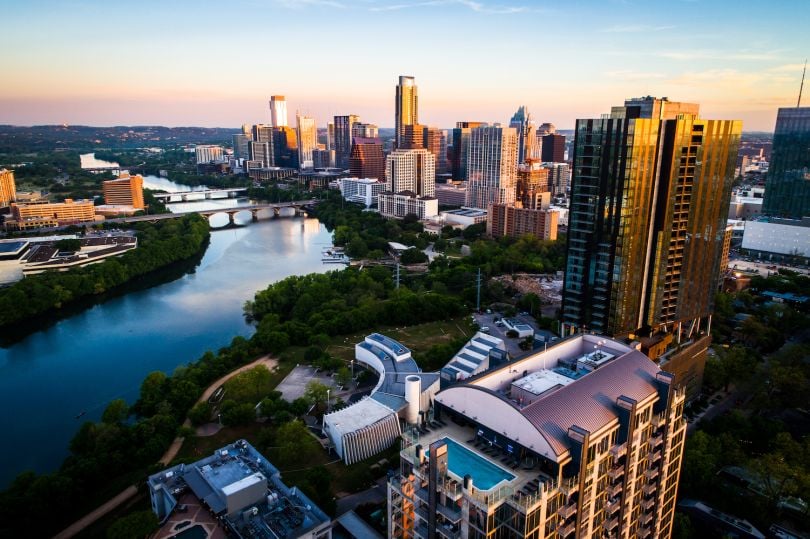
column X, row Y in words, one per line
column 461, row 146
column 532, row 188
column 400, row 204
column 514, row 222
column 584, row 439
column 367, row 159
column 361, row 190
column 361, row 130
column 649, row 200
column 260, row 154
column 522, row 123
column 491, row 166
column 406, row 108
column 451, row 194
column 545, row 129
column 343, row 139
column 241, row 146
column 285, row 147
column 244, row 493
column 777, row 239
column 8, row 189
column 48, row 214
column 787, row 190
column 208, row 153
column 125, row 191
column 553, row 148
column 278, row 111
column 411, row 170
column 307, row 140
column 262, row 133
column 559, row 178
column 434, row 140
column 323, row 158
column 330, row 136
column 413, row 137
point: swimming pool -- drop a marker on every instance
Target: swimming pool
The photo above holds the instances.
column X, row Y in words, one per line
column 485, row 474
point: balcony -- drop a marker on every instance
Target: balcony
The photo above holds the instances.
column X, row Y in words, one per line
column 658, row 420
column 612, row 506
column 657, row 440
column 651, row 474
column 610, row 524
column 643, row 533
column 569, row 487
column 645, row 518
column 655, row 456
column 450, row 533
column 647, row 503
column 615, row 471
column 567, row 510
column 451, row 513
column 618, row 450
column 648, row 489
column 568, row 529
column 614, row 490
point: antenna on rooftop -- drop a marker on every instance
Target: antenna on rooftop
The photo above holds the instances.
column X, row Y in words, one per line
column 801, row 86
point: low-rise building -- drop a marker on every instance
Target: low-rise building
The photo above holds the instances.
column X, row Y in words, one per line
column 243, row 491
column 49, row 214
column 464, row 217
column 207, row 153
column 778, row 239
column 473, row 358
column 407, row 202
column 451, row 194
column 505, row 220
column 361, row 190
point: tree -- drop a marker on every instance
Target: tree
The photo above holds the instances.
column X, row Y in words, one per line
column 116, row 412
column 152, row 392
column 133, row 526
column 234, row 414
column 316, row 392
column 69, row 245
column 413, row 256
column 295, row 444
column 200, row 413
column 343, row 376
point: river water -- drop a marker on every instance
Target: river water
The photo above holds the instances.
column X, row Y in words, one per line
column 80, row 363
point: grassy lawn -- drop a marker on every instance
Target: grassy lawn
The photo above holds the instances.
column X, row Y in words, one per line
column 197, row 447
column 418, row 338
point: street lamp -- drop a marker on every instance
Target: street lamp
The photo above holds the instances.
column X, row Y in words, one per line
column 327, row 400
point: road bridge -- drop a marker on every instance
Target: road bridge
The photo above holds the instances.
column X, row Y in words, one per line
column 193, row 196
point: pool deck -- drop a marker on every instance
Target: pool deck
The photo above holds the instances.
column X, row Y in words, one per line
column 196, row 514
column 461, row 434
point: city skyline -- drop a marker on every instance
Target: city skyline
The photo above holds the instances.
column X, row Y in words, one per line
column 73, row 69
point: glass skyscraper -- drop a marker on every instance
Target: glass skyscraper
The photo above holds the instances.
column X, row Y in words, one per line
column 649, row 201
column 787, row 191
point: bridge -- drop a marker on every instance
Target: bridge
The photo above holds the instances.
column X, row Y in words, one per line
column 257, row 211
column 192, row 196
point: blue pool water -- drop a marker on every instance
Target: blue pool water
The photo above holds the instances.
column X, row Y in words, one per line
column 485, row 474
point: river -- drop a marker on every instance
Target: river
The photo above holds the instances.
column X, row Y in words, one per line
column 81, row 363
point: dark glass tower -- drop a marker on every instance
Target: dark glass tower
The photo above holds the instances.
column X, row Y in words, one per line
column 787, row 191
column 649, row 201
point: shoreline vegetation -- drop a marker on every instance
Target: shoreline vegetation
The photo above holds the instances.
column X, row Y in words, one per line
column 160, row 245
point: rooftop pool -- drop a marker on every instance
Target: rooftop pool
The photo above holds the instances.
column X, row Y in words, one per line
column 485, row 473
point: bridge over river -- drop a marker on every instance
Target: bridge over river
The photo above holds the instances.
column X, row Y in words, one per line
column 194, row 196
column 256, row 211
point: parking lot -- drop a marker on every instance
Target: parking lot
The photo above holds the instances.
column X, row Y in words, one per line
column 295, row 384
column 512, row 344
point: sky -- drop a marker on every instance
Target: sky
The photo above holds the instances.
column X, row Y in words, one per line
column 215, row 63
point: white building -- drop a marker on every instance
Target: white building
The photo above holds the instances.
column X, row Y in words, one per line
column 307, row 140
column 464, row 217
column 206, row 153
column 407, row 202
column 491, row 166
column 278, row 111
column 411, row 170
column 472, row 359
column 779, row 237
column 361, row 190
column 559, row 177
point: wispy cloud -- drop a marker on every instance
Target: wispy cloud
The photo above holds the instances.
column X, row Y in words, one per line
column 478, row 7
column 628, row 74
column 743, row 54
column 636, row 28
column 298, row 4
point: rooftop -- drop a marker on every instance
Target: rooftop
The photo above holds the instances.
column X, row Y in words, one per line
column 467, row 212
column 365, row 412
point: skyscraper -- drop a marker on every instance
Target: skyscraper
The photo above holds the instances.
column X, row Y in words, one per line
column 367, row 159
column 241, row 144
column 522, row 123
column 125, row 191
column 343, row 139
column 787, row 190
column 461, row 146
column 330, row 136
column 406, row 106
column 411, row 170
column 413, row 137
column 435, row 141
column 491, row 166
column 553, row 148
column 278, row 111
column 285, row 147
column 361, row 130
column 307, row 140
column 649, row 199
column 8, row 189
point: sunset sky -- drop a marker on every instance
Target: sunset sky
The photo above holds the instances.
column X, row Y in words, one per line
column 212, row 63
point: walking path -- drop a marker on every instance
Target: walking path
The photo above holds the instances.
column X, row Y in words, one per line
column 79, row 526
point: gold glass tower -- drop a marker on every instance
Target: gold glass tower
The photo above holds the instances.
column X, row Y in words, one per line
column 407, row 107
column 8, row 190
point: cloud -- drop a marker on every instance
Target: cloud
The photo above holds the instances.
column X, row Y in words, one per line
column 636, row 28
column 478, row 7
column 698, row 54
column 298, row 4
column 787, row 68
column 628, row 74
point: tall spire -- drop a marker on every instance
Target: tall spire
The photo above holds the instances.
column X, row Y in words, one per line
column 801, row 86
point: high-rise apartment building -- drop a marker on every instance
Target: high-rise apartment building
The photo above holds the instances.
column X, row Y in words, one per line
column 649, row 200
column 532, row 185
column 361, row 130
column 435, row 141
column 553, row 148
column 503, row 220
column 262, row 133
column 559, row 178
column 343, row 139
column 524, row 126
column 208, row 153
column 367, row 159
column 8, row 189
column 413, row 137
column 285, row 147
column 787, row 190
column 582, row 440
column 406, row 106
column 461, row 146
column 491, row 166
column 330, row 136
column 323, row 158
column 241, row 146
column 278, row 111
column 411, row 170
column 261, row 154
column 125, row 191
column 307, row 140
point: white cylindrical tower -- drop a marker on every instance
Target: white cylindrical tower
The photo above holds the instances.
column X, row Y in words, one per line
column 413, row 393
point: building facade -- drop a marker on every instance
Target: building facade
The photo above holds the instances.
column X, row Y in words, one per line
column 241, row 146
column 532, row 187
column 514, row 222
column 207, row 153
column 47, row 214
column 649, row 202
column 586, row 441
column 559, row 178
column 522, row 123
column 406, row 107
column 278, row 111
column 450, row 194
column 491, row 166
column 411, row 170
column 553, row 148
column 413, row 137
column 8, row 189
column 435, row 141
column 367, row 159
column 260, row 154
column 125, row 191
column 361, row 190
column 461, row 147
column 399, row 205
column 787, row 190
column 307, row 140
column 366, row 131
column 285, row 147
column 343, row 139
